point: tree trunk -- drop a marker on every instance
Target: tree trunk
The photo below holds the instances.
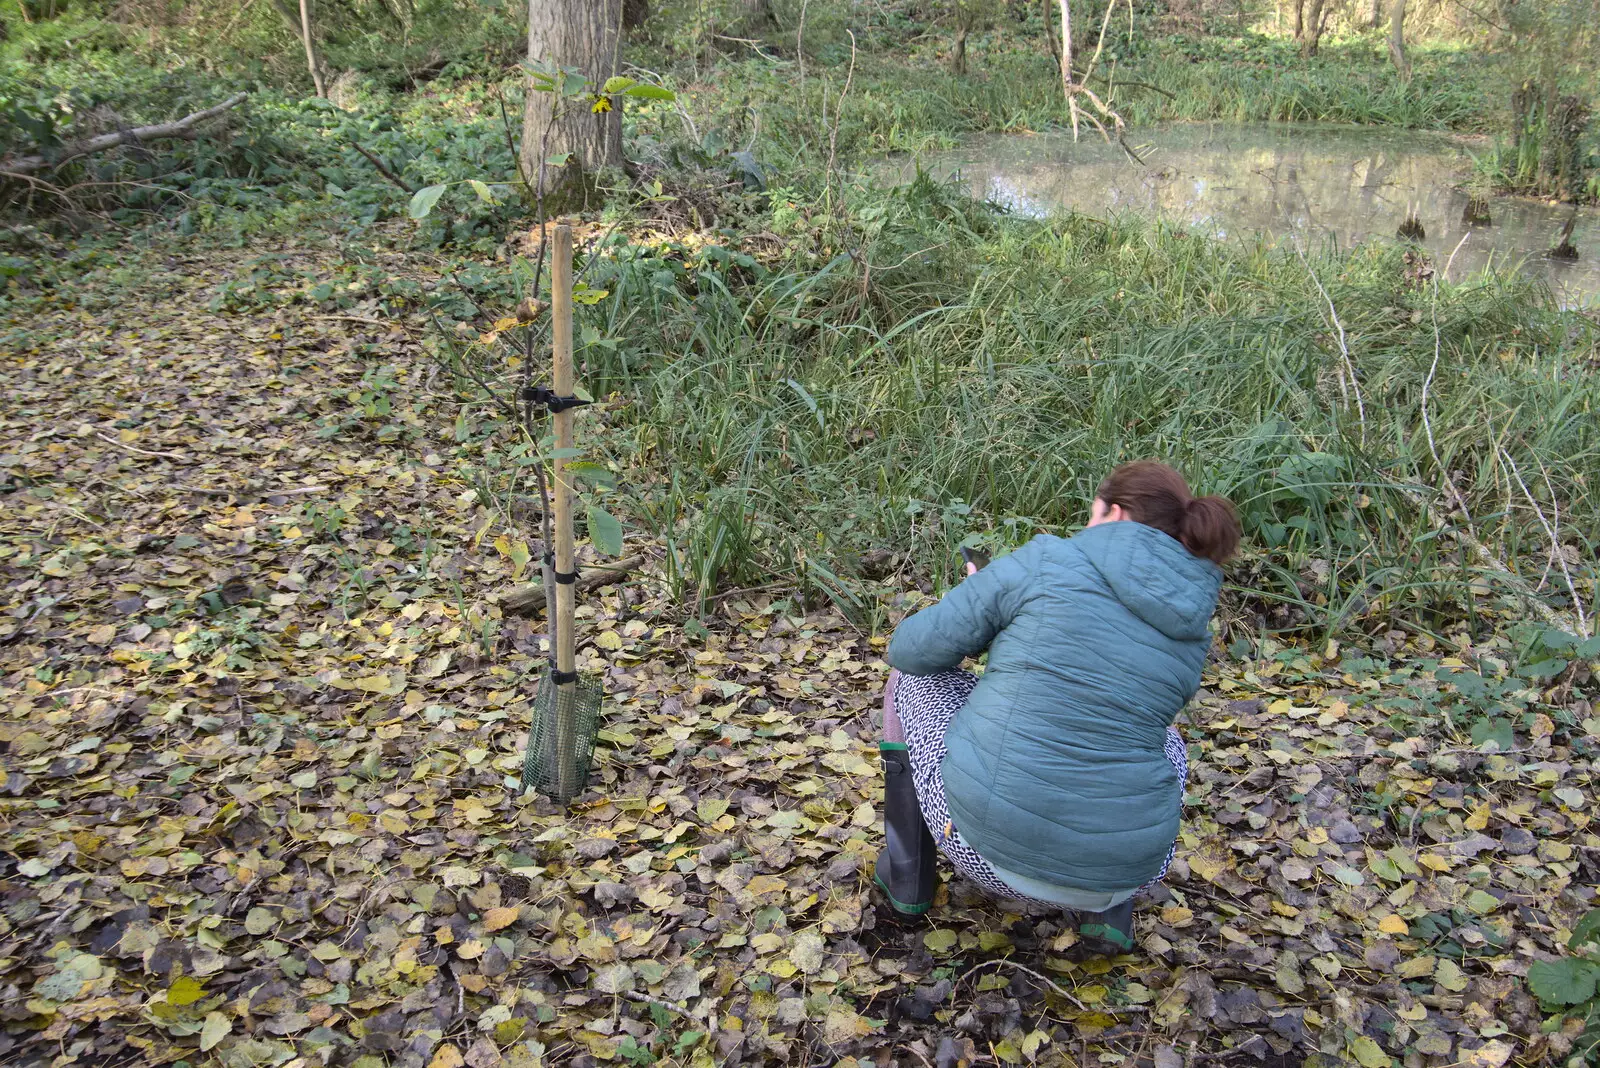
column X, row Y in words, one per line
column 1561, row 163
column 1376, row 18
column 1050, row 32
column 1397, row 39
column 567, row 34
column 1313, row 29
column 309, row 41
column 758, row 16
column 1299, row 20
column 1067, row 84
column 958, row 53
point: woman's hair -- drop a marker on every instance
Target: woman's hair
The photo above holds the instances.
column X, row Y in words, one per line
column 1157, row 496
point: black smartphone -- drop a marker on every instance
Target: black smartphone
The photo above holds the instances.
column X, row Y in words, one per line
column 976, row 557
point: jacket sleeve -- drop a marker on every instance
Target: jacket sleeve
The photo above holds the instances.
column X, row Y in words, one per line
column 966, row 620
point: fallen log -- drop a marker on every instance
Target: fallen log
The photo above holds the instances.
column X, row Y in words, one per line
column 526, row 600
column 161, row 131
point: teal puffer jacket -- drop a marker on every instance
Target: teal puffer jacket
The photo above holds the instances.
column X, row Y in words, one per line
column 1056, row 769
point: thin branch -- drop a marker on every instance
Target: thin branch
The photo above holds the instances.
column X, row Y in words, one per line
column 1427, row 422
column 838, row 113
column 1047, row 981
column 158, row 132
column 1094, row 59
column 383, row 170
column 143, row 452
column 1344, row 345
column 1553, row 532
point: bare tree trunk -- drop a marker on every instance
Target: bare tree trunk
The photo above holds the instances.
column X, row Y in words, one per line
column 965, row 18
column 1050, row 32
column 1376, row 17
column 1313, row 29
column 1397, row 39
column 1299, row 20
column 1066, row 66
column 581, row 34
column 309, row 41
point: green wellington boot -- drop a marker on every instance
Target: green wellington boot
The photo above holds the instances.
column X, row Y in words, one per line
column 906, row 870
column 1110, row 932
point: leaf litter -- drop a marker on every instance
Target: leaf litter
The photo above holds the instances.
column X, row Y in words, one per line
column 264, row 717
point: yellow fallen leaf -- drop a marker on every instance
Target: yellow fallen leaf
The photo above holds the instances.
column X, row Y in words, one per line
column 1393, row 924
column 1416, row 967
column 763, row 885
column 609, row 640
column 447, row 1057
column 1433, row 861
column 1210, row 860
column 184, row 991
column 767, row 943
column 1489, row 1055
column 471, row 949
column 501, row 918
column 1478, row 820
column 1177, row 916
column 389, row 684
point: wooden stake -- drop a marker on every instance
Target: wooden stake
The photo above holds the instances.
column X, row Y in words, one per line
column 561, row 381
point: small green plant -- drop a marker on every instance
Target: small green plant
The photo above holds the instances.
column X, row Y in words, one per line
column 1569, row 989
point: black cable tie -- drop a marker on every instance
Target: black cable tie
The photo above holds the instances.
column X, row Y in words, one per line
column 566, row 578
column 562, row 678
column 548, row 398
column 550, row 561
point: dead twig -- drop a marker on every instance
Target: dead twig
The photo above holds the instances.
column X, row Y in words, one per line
column 1047, row 981
column 142, row 452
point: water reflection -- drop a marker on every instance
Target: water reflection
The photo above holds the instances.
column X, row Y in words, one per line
column 1350, row 183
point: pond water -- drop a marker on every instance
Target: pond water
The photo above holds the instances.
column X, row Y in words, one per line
column 1350, row 184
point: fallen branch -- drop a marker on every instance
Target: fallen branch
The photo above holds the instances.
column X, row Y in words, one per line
column 530, row 599
column 161, row 131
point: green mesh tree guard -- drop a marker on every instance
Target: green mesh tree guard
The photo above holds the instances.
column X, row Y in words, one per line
column 561, row 737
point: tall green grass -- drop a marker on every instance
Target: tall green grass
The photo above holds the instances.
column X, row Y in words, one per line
column 896, row 103
column 987, row 372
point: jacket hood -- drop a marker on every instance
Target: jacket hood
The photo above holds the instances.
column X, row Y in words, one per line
column 1154, row 577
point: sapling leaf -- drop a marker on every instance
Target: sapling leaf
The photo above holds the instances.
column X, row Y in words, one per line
column 605, row 532
column 423, row 200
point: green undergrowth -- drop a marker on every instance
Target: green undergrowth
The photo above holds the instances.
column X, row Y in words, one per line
column 798, row 417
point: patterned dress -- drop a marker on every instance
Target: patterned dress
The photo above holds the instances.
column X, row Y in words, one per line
column 926, row 704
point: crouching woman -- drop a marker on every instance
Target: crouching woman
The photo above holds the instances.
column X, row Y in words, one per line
column 1056, row 776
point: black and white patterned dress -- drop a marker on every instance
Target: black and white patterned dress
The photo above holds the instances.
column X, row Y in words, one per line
column 926, row 704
